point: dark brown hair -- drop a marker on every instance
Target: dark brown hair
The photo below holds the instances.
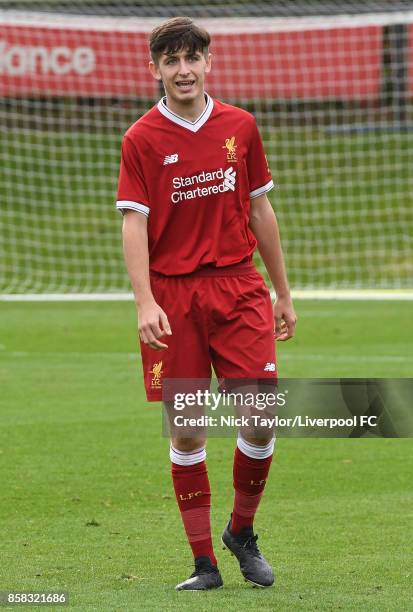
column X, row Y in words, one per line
column 177, row 34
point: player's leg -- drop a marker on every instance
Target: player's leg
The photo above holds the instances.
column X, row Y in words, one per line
column 192, row 489
column 252, row 457
column 251, row 467
column 252, row 461
column 193, row 494
column 244, row 349
column 187, row 451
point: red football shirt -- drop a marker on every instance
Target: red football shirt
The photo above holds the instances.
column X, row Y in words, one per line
column 194, row 181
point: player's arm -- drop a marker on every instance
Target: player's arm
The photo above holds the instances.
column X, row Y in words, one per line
column 264, row 226
column 152, row 320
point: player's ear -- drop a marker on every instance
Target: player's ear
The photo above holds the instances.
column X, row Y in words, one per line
column 208, row 59
column 154, row 70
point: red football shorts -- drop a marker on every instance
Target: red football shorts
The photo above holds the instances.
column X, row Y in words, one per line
column 220, row 318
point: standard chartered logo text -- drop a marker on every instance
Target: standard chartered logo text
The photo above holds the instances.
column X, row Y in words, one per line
column 226, row 178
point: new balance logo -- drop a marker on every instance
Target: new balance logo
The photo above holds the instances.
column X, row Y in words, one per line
column 229, row 179
column 269, row 367
column 170, row 159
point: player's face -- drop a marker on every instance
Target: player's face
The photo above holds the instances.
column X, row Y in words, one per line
column 183, row 74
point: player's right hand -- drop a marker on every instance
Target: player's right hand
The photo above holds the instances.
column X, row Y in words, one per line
column 152, row 325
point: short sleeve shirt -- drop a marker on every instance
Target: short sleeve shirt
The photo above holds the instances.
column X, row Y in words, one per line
column 194, row 181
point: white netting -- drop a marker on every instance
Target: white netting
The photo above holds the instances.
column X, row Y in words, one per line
column 332, row 95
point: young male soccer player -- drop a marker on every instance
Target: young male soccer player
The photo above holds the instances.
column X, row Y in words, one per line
column 192, row 188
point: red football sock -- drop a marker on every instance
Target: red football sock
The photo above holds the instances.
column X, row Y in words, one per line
column 250, row 476
column 193, row 495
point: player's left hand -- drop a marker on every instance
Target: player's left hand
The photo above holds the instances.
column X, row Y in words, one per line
column 285, row 318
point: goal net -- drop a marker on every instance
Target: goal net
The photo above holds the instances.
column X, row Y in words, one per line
column 331, row 91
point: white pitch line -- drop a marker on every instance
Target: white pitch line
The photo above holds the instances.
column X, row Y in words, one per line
column 301, row 294
column 353, row 294
column 296, row 356
column 66, row 297
column 74, row 354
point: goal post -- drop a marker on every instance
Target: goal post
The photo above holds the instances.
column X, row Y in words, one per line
column 332, row 96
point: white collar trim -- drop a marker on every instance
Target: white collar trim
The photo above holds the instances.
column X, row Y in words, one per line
column 192, row 126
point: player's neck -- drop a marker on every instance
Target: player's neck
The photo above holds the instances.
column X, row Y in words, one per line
column 190, row 110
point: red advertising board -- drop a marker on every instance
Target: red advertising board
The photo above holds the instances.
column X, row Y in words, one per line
column 326, row 63
column 332, row 63
column 60, row 61
column 410, row 60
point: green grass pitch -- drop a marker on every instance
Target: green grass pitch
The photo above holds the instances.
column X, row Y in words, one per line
column 86, row 500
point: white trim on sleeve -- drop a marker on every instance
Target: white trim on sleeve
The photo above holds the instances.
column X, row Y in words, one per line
column 261, row 190
column 127, row 204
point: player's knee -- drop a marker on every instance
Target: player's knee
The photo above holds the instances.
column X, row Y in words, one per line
column 256, row 439
column 188, row 444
